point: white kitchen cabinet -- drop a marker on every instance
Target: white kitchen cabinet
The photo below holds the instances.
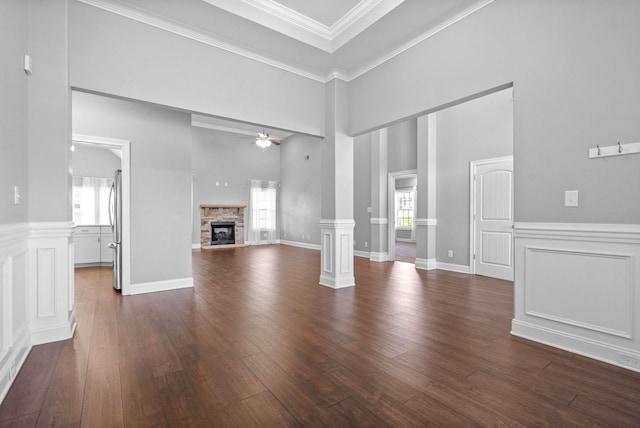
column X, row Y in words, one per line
column 86, row 241
column 92, row 245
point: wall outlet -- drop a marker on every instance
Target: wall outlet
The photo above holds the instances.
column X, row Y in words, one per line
column 571, row 198
column 13, row 371
column 450, row 253
column 354, row 242
column 16, row 195
column 366, row 244
column 628, row 360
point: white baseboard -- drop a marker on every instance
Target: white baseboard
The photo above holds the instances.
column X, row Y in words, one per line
column 13, row 361
column 364, row 254
column 453, row 267
column 331, row 282
column 152, row 287
column 378, row 257
column 577, row 344
column 53, row 333
column 196, row 246
column 300, row 244
column 412, row 241
column 426, row 264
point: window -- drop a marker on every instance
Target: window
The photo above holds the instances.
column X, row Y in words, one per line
column 91, row 200
column 263, row 205
column 404, row 208
column 264, row 212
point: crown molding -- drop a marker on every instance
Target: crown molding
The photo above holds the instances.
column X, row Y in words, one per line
column 418, row 39
column 361, row 17
column 190, row 33
column 291, row 23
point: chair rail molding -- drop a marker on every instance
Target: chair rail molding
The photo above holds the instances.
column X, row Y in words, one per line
column 577, row 287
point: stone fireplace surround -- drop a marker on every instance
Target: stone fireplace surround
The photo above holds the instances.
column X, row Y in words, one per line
column 221, row 213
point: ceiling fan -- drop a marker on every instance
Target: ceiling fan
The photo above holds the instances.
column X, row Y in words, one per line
column 263, row 140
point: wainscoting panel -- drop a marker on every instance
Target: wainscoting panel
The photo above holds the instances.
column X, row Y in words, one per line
column 52, row 316
column 15, row 340
column 337, row 253
column 569, row 285
column 346, row 256
column 327, row 251
column 577, row 287
column 46, row 282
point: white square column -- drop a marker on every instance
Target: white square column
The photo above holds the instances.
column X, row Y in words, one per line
column 336, row 237
column 336, row 226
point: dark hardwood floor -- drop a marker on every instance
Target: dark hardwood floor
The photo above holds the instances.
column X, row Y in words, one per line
column 258, row 342
column 406, row 252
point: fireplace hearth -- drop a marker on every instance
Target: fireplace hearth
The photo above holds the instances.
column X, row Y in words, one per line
column 221, row 226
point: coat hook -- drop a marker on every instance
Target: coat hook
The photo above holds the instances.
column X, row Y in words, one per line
column 598, row 146
column 619, row 147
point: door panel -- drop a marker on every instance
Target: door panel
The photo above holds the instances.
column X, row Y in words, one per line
column 493, row 219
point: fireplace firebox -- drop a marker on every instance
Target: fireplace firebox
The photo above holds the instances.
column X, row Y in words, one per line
column 222, row 233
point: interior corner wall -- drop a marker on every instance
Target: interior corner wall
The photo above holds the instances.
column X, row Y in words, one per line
column 49, row 117
column 13, row 110
column 362, row 192
column 14, row 233
column 223, row 164
column 88, row 161
column 115, row 55
column 300, row 190
column 574, row 67
column 475, row 130
column 160, row 180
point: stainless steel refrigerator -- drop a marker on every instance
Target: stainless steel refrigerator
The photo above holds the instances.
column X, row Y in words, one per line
column 115, row 218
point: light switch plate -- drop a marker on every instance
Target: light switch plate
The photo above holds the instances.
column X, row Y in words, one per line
column 571, row 198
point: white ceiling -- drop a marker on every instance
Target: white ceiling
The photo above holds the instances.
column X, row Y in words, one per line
column 326, row 25
column 316, row 39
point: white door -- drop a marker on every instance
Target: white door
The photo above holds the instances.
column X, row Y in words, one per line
column 493, row 218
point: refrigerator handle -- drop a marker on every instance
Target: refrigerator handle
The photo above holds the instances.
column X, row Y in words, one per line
column 111, row 206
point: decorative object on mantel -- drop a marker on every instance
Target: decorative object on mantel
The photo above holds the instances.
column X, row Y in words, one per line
column 615, row 150
column 221, row 224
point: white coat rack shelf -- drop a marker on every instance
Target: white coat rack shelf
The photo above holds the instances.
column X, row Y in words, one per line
column 615, row 150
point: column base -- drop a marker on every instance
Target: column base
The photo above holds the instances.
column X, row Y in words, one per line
column 336, row 269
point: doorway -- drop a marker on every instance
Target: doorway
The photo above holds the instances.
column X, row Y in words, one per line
column 122, row 149
column 402, row 203
column 491, row 218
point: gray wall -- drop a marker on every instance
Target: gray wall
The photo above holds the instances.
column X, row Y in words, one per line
column 116, row 55
column 574, row 67
column 160, row 180
column 49, row 102
column 88, row 161
column 13, row 110
column 402, row 146
column 475, row 130
column 300, row 189
column 227, row 158
column 362, row 192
